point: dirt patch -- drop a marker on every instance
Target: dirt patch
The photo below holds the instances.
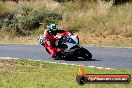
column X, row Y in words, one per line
column 4, row 63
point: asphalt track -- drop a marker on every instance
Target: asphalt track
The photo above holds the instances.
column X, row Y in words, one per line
column 118, row 58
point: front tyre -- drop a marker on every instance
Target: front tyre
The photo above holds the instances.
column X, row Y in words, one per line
column 85, row 53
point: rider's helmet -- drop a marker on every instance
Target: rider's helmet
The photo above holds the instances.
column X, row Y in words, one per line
column 53, row 27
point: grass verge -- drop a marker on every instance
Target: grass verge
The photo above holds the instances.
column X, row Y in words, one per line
column 20, row 40
column 111, row 41
column 38, row 74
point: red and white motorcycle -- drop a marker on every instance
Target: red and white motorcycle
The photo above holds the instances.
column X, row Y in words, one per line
column 70, row 47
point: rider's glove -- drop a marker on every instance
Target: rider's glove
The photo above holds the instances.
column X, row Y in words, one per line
column 40, row 39
column 57, row 37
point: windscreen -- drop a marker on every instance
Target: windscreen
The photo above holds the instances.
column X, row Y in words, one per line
column 68, row 39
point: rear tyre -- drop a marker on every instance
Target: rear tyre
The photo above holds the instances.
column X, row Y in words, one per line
column 62, row 56
column 58, row 56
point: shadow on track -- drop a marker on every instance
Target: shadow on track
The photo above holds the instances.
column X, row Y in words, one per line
column 81, row 59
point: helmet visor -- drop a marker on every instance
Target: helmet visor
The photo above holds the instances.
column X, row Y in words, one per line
column 53, row 29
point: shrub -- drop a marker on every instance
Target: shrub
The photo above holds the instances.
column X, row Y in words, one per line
column 26, row 18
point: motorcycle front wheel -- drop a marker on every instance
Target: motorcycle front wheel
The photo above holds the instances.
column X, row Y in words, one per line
column 85, row 53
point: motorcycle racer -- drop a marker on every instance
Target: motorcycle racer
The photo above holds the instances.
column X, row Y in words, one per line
column 49, row 37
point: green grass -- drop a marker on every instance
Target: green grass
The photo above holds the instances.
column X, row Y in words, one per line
column 39, row 74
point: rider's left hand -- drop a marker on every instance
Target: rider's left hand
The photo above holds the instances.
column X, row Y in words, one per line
column 40, row 39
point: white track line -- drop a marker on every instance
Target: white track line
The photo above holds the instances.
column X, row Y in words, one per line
column 8, row 58
column 53, row 62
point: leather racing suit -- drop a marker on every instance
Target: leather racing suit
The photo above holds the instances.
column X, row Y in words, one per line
column 49, row 38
